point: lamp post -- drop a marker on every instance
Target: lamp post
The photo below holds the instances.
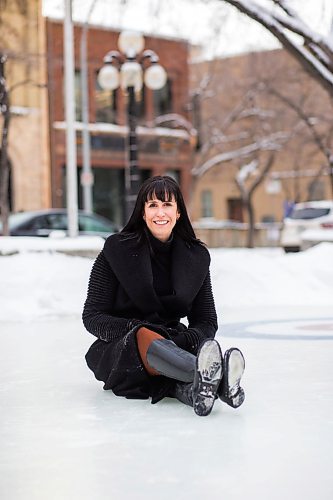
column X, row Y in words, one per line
column 130, row 69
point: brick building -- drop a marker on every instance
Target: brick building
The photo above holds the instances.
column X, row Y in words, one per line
column 161, row 150
column 243, row 100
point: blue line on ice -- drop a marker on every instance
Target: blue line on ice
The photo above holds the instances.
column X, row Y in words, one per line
column 281, row 329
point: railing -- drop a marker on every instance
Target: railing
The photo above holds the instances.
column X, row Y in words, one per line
column 231, row 234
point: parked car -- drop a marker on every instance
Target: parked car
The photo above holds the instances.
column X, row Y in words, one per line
column 312, row 215
column 45, row 222
column 312, row 237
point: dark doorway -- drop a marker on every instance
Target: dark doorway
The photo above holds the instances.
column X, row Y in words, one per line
column 235, row 209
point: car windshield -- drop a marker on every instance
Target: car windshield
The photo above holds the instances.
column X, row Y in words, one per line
column 309, row 213
column 92, row 223
column 17, row 219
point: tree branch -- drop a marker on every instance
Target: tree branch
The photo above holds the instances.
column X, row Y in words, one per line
column 305, row 118
column 272, row 142
column 277, row 25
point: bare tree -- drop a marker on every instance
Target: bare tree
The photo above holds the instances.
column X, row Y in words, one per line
column 249, row 141
column 5, row 111
column 247, row 189
column 264, row 104
column 4, row 163
column 311, row 120
column 311, row 49
column 264, row 109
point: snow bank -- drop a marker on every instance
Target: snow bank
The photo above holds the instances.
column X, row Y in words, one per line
column 243, row 277
column 56, row 243
column 34, row 285
column 45, row 284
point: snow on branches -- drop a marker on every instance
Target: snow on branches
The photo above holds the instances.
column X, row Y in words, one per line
column 314, row 52
column 272, row 142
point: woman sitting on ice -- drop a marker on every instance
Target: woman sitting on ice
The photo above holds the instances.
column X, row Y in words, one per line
column 147, row 277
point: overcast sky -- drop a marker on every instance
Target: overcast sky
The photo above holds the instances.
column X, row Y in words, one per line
column 219, row 28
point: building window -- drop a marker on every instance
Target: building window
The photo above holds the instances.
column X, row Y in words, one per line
column 105, row 104
column 78, row 94
column 162, row 99
column 235, row 209
column 175, row 174
column 206, row 204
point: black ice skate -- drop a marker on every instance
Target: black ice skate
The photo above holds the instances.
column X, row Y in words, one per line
column 234, row 365
column 207, row 378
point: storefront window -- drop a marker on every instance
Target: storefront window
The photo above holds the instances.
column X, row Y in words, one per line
column 105, row 104
column 206, row 204
column 78, row 94
column 162, row 99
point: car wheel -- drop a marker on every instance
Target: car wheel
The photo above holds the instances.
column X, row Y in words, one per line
column 291, row 249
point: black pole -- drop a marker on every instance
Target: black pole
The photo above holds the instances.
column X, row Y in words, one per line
column 132, row 174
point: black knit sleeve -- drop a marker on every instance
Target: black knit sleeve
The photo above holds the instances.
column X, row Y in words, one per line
column 202, row 317
column 97, row 312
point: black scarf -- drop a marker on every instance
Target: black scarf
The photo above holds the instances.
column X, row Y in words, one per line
column 131, row 263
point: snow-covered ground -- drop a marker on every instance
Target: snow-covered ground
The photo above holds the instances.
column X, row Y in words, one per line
column 45, row 284
column 64, row 438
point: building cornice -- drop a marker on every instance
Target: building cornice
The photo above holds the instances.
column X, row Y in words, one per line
column 122, row 130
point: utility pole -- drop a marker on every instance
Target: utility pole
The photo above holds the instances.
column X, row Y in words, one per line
column 71, row 165
column 87, row 178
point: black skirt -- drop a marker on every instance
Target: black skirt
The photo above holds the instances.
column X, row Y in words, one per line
column 118, row 364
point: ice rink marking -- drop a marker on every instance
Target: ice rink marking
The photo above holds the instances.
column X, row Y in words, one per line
column 286, row 329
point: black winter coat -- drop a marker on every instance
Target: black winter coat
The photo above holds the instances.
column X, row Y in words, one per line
column 121, row 298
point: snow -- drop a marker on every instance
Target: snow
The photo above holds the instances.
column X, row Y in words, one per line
column 57, row 242
column 63, row 437
column 246, row 170
column 268, row 143
column 269, row 277
column 123, row 129
column 241, row 277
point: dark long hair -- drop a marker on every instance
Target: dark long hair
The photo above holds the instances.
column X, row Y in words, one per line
column 164, row 188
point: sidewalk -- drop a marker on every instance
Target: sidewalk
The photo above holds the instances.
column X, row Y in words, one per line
column 82, row 246
column 64, row 438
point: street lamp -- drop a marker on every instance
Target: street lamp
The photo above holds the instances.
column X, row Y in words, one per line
column 130, row 69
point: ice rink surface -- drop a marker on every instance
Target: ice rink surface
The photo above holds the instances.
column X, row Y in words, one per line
column 64, row 438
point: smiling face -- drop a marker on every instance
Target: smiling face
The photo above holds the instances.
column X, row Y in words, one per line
column 161, row 217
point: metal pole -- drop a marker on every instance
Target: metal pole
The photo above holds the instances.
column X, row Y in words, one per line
column 87, row 179
column 132, row 173
column 71, row 167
